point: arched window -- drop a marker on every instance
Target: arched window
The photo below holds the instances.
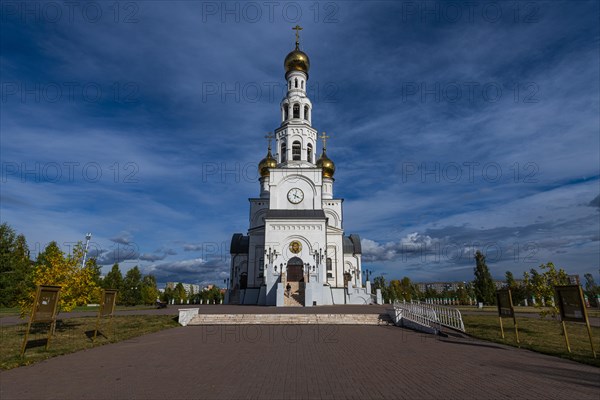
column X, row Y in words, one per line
column 309, row 153
column 329, row 265
column 296, row 149
column 302, row 84
column 283, row 152
column 286, row 111
column 296, row 111
column 306, row 113
column 296, row 82
column 290, row 85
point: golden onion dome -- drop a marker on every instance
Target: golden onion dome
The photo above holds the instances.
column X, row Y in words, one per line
column 326, row 164
column 266, row 163
column 297, row 60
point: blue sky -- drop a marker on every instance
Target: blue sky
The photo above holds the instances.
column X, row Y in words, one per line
column 453, row 126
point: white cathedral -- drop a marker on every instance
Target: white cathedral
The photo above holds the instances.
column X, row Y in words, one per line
column 295, row 252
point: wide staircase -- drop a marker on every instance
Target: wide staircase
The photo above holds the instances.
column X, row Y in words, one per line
column 295, row 298
column 234, row 296
column 291, row 319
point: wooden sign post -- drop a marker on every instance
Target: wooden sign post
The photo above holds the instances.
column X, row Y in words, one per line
column 572, row 308
column 107, row 308
column 44, row 310
column 506, row 309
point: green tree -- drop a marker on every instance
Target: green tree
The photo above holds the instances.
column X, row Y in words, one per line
column 485, row 290
column 379, row 283
column 462, row 294
column 179, row 294
column 402, row 289
column 518, row 291
column 217, row 296
column 132, row 287
column 212, row 295
column 167, row 295
column 541, row 285
column 149, row 290
column 510, row 280
column 431, row 293
column 96, row 271
column 591, row 289
column 114, row 280
column 191, row 296
column 394, row 291
column 15, row 267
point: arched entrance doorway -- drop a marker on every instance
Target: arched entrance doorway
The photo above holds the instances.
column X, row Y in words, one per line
column 295, row 283
column 294, row 270
column 244, row 280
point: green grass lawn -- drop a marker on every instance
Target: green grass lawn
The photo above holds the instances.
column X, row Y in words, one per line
column 494, row 309
column 8, row 311
column 541, row 335
column 72, row 335
column 592, row 312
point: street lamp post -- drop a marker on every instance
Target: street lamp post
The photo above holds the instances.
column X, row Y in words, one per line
column 319, row 256
column 87, row 244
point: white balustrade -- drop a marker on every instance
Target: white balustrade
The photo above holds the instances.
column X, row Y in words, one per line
column 430, row 315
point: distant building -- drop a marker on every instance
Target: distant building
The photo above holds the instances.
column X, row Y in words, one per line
column 189, row 288
column 440, row 286
column 454, row 286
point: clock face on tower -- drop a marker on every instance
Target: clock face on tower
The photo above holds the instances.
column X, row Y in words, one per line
column 295, row 196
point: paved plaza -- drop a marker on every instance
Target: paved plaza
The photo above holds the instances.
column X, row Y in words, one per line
column 301, row 361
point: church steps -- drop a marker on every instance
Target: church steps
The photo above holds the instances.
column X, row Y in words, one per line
column 291, row 319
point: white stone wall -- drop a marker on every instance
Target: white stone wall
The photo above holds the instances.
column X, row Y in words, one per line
column 258, row 210
column 333, row 211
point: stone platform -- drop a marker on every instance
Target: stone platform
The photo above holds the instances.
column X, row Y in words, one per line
column 291, row 319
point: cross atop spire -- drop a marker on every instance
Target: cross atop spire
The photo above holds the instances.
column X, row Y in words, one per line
column 297, row 28
column 269, row 136
column 324, row 138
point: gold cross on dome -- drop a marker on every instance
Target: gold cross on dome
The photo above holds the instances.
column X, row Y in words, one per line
column 324, row 138
column 269, row 136
column 297, row 28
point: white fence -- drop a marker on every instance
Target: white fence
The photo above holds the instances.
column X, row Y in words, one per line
column 430, row 315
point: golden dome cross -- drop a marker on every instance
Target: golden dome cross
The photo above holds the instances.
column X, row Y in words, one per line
column 269, row 136
column 324, row 138
column 297, row 28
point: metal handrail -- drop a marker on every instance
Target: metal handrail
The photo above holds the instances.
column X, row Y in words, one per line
column 431, row 315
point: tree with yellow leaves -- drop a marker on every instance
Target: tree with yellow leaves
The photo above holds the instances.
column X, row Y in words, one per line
column 78, row 283
column 541, row 285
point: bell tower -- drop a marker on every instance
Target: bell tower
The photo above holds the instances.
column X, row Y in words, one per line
column 296, row 138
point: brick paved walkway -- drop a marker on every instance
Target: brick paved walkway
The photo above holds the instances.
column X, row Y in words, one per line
column 293, row 362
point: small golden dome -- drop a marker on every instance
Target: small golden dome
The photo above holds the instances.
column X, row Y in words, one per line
column 326, row 164
column 266, row 163
column 297, row 60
